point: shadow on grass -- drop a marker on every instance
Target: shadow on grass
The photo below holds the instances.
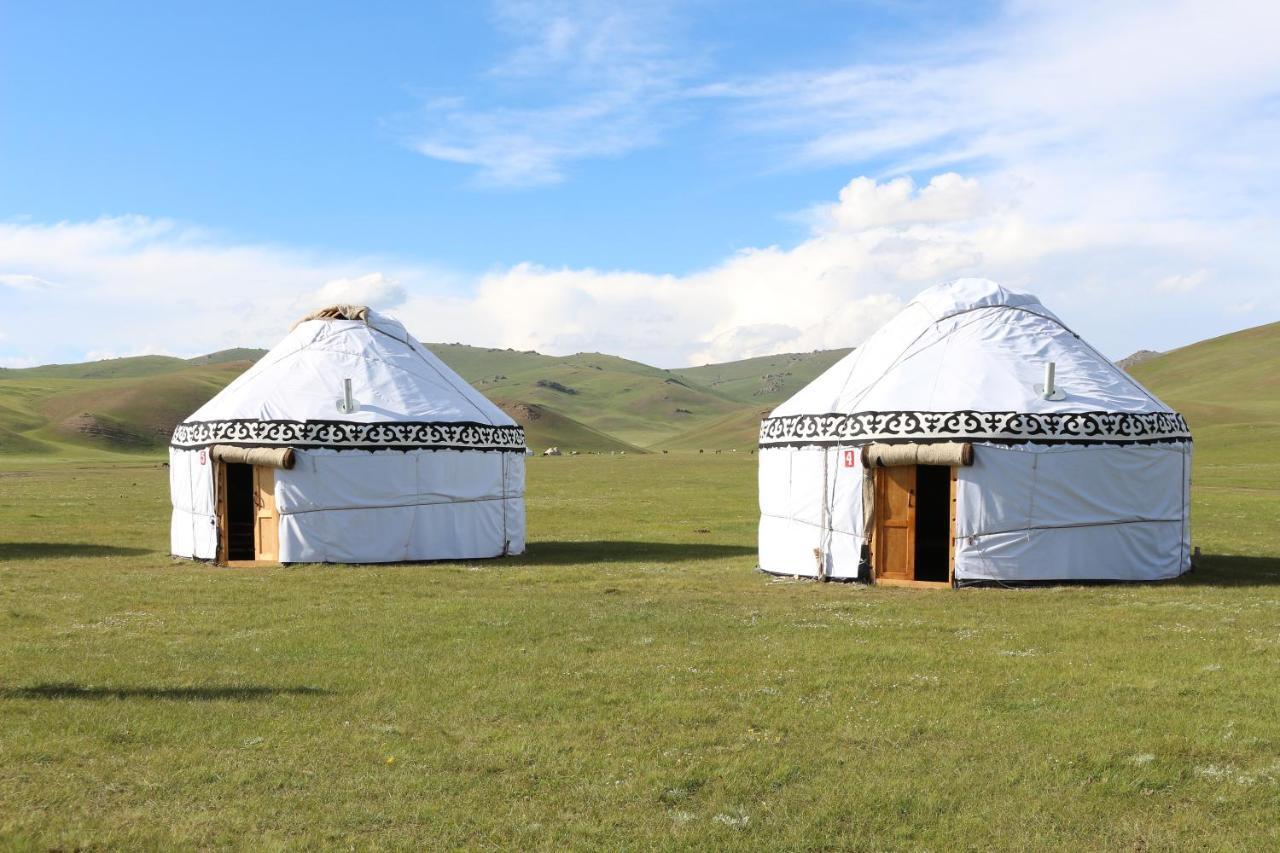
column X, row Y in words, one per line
column 39, row 550
column 182, row 694
column 1222, row 570
column 604, row 551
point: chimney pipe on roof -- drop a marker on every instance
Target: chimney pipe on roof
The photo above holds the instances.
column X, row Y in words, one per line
column 347, row 403
column 1049, row 391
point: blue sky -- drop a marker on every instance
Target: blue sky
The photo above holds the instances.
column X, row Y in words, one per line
column 661, row 180
column 293, row 122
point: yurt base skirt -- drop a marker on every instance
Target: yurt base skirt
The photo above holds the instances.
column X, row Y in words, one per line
column 445, row 531
column 791, row 547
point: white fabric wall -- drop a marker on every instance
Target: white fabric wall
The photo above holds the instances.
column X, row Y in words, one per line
column 792, row 518
column 193, row 528
column 387, row 506
column 1074, row 513
column 1023, row 513
column 368, row 507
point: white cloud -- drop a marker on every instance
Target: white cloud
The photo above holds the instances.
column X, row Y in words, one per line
column 373, row 289
column 28, row 283
column 1162, row 99
column 585, row 80
column 864, row 203
column 1183, row 282
column 1115, row 108
column 134, row 285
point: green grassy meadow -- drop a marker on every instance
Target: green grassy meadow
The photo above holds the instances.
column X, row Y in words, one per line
column 630, row 682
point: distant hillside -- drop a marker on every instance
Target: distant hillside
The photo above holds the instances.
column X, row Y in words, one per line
column 120, row 405
column 545, row 428
column 585, row 401
column 1228, row 387
column 1131, row 361
column 226, row 355
column 132, row 366
column 767, row 380
column 1229, row 390
column 1230, row 379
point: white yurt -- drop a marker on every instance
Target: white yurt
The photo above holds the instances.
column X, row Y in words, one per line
column 975, row 438
column 348, row 442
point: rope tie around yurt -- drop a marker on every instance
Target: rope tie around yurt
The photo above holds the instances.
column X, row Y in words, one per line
column 824, row 534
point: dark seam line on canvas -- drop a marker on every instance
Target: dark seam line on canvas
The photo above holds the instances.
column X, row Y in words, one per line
column 394, row 506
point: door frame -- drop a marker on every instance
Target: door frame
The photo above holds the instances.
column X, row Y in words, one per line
column 220, row 507
column 880, row 480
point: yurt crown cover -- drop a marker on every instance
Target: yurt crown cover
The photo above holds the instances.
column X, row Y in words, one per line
column 348, row 442
column 975, row 438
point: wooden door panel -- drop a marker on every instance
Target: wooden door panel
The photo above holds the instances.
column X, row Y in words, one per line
column 266, row 521
column 894, row 554
column 895, row 522
column 900, row 485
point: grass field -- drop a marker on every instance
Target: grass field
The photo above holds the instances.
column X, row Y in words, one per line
column 631, row 682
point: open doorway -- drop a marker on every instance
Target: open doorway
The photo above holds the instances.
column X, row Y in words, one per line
column 914, row 518
column 249, row 525
column 933, row 523
column 240, row 511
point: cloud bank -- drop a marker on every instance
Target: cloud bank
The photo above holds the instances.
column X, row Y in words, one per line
column 134, row 285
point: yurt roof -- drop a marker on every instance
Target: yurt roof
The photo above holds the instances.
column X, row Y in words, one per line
column 395, row 381
column 972, row 348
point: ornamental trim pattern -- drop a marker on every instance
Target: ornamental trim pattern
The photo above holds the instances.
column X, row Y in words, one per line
column 346, row 435
column 1004, row 427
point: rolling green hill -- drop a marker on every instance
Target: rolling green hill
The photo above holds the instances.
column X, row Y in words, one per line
column 767, row 380
column 1229, row 390
column 105, row 406
column 586, row 401
column 1228, row 387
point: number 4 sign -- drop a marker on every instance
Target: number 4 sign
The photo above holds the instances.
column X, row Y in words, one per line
column 850, row 458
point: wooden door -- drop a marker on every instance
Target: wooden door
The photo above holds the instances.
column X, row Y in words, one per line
column 266, row 522
column 895, row 534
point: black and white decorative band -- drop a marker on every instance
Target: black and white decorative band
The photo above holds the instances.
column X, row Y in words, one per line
column 1007, row 427
column 345, row 435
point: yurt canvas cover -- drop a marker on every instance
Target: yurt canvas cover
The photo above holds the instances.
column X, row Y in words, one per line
column 931, row 454
column 421, row 467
